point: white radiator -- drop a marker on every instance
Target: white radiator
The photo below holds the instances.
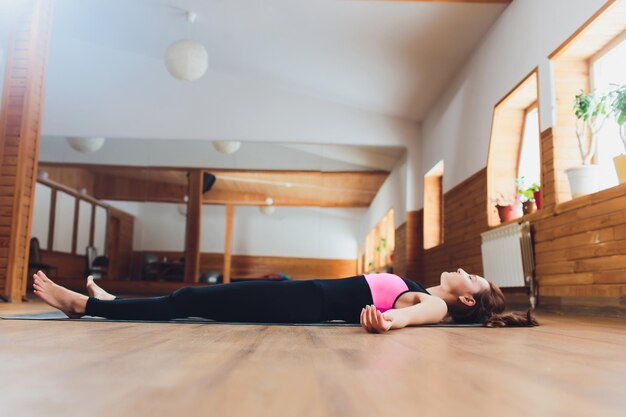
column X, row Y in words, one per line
column 508, row 259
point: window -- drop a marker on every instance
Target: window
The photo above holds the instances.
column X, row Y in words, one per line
column 529, row 166
column 63, row 222
column 514, row 149
column 380, row 244
column 41, row 214
column 592, row 58
column 433, row 206
column 608, row 69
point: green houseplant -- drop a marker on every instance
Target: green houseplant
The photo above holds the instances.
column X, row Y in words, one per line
column 591, row 111
column 529, row 195
column 618, row 109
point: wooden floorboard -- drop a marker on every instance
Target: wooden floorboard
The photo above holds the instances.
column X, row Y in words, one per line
column 570, row 366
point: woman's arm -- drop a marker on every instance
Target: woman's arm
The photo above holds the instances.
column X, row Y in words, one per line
column 429, row 310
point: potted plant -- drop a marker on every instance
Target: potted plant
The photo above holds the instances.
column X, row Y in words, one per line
column 508, row 207
column 528, row 196
column 618, row 109
column 591, row 110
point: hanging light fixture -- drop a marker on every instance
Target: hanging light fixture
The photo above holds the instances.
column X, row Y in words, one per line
column 182, row 208
column 226, row 146
column 85, row 145
column 187, row 59
column 269, row 208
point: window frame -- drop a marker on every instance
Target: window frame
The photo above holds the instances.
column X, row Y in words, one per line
column 571, row 65
column 527, row 93
column 433, row 222
column 384, row 228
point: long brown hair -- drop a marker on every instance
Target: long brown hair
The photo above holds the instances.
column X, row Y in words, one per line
column 488, row 310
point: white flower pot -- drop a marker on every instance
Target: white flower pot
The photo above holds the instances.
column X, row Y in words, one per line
column 583, row 180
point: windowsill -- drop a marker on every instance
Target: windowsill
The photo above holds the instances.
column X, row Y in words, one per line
column 539, row 214
column 597, row 197
column 574, row 204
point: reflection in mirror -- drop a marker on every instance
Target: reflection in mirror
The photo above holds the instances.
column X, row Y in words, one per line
column 41, row 214
column 63, row 222
column 297, row 208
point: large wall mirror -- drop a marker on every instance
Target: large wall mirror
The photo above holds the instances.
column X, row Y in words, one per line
column 295, row 201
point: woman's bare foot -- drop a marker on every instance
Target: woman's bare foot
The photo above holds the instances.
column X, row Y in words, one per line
column 96, row 292
column 71, row 303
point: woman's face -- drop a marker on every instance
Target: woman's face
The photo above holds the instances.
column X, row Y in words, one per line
column 460, row 283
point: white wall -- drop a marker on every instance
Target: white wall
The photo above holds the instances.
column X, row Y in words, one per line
column 457, row 128
column 307, row 232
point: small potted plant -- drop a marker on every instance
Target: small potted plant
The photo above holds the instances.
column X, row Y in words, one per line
column 530, row 202
column 508, row 207
column 591, row 110
column 618, row 109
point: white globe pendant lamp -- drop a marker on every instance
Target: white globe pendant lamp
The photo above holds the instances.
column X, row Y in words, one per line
column 186, row 59
column 269, row 208
column 226, row 146
column 182, row 208
column 85, row 145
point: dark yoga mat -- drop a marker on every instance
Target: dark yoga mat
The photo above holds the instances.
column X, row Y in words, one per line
column 57, row 315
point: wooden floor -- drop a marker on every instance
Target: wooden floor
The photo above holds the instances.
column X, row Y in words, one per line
column 570, row 366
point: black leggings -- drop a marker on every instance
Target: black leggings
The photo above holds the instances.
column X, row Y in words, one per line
column 249, row 301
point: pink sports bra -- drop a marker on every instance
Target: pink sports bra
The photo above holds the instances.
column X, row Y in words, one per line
column 385, row 289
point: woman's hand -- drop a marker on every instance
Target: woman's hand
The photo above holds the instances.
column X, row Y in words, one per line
column 373, row 321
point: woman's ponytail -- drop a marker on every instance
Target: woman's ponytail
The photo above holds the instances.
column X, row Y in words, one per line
column 513, row 319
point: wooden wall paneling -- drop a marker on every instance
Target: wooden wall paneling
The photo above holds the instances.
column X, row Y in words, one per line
column 120, row 227
column 414, row 244
column 109, row 187
column 20, row 123
column 548, row 172
column 193, row 226
column 244, row 266
column 400, row 256
column 230, row 213
column 464, row 218
column 68, row 265
column 240, row 187
column 72, row 177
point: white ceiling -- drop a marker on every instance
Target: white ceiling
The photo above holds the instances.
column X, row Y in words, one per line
column 390, row 58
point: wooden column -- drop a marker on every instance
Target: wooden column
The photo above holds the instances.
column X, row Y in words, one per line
column 230, row 211
column 20, row 126
column 194, row 224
